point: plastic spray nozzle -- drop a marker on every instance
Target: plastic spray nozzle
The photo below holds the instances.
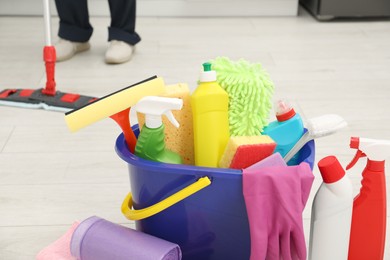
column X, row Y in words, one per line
column 354, row 143
column 374, row 149
column 154, row 107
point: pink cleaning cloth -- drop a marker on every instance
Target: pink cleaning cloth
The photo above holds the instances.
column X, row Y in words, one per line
column 59, row 249
column 275, row 198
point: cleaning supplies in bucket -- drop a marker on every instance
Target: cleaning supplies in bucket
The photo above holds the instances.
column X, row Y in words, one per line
column 275, row 198
column 368, row 229
column 188, row 205
column 331, row 213
column 98, row 239
column 286, row 130
column 210, row 115
column 151, row 144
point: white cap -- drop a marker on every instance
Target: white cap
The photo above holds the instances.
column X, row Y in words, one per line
column 154, row 107
column 207, row 75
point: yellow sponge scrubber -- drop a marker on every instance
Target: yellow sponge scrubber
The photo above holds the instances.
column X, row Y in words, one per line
column 243, row 151
column 179, row 140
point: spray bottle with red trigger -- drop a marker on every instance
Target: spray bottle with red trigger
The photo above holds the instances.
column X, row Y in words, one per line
column 368, row 227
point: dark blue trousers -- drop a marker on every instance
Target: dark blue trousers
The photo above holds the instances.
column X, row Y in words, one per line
column 75, row 26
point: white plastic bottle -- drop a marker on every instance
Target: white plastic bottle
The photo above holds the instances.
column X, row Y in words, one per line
column 331, row 213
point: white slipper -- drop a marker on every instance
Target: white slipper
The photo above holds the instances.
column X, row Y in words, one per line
column 118, row 52
column 67, row 49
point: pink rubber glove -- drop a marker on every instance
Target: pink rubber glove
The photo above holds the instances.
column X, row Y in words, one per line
column 275, row 198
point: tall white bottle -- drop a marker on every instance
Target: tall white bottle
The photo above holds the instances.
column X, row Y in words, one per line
column 331, row 213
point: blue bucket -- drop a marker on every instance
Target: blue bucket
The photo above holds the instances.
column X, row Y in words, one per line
column 211, row 224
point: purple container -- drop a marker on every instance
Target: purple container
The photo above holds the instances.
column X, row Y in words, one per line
column 98, row 239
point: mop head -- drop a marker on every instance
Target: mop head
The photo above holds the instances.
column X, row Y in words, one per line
column 250, row 92
column 35, row 99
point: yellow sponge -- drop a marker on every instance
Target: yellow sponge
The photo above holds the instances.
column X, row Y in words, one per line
column 179, row 140
column 243, row 151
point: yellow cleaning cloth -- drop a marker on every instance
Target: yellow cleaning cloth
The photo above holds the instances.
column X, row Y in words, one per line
column 179, row 140
column 113, row 103
column 243, row 151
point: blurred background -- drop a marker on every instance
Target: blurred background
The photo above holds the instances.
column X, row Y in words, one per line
column 326, row 56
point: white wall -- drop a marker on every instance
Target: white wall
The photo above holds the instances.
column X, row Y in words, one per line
column 170, row 7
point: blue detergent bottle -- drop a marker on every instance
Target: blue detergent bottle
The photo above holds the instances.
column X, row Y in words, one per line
column 286, row 130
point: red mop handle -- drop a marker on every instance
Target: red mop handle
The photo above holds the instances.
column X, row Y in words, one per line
column 49, row 56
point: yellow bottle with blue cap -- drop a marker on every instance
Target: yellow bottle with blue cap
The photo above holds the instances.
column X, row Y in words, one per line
column 209, row 104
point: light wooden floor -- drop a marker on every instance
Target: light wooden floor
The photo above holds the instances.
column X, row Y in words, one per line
column 50, row 177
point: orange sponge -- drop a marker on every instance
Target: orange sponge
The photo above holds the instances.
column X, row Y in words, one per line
column 243, row 151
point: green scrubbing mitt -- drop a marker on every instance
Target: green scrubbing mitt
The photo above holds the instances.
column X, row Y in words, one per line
column 250, row 92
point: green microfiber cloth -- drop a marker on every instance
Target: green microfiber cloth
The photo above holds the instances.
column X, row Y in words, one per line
column 250, row 92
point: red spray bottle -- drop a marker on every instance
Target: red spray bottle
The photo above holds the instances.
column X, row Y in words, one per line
column 368, row 228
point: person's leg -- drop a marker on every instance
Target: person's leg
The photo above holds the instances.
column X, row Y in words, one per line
column 75, row 29
column 121, row 33
column 74, row 20
column 123, row 16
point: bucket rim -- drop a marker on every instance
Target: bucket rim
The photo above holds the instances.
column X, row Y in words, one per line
column 124, row 153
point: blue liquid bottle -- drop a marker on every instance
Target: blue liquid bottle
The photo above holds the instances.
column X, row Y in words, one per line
column 286, row 130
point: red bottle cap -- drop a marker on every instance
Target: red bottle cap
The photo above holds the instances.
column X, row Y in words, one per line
column 284, row 111
column 331, row 169
column 286, row 116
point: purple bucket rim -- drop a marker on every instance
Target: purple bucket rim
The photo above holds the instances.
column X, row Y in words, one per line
column 124, row 153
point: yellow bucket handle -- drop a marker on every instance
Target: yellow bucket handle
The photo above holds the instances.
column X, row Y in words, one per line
column 137, row 214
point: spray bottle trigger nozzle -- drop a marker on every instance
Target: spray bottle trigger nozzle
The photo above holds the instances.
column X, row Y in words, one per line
column 359, row 154
column 171, row 118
